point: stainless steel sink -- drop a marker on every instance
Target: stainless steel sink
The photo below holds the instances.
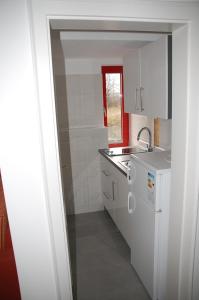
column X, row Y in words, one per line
column 124, row 151
column 125, row 163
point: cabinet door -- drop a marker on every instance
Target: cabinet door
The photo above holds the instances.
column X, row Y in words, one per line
column 108, row 187
column 154, row 78
column 131, row 70
column 123, row 219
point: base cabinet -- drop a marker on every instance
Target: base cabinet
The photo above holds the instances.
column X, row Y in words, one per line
column 115, row 195
column 121, row 210
column 109, row 187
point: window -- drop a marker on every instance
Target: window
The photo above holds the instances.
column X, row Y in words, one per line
column 115, row 118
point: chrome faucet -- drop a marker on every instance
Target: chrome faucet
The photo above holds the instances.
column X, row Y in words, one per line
column 150, row 149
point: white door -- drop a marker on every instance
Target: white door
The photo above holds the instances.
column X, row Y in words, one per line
column 154, row 78
column 106, row 183
column 131, row 70
column 109, row 186
column 143, row 228
column 122, row 218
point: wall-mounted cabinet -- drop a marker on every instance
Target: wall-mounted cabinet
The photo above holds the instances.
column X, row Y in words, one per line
column 147, row 79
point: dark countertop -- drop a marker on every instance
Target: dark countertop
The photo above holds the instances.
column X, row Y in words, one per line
column 115, row 160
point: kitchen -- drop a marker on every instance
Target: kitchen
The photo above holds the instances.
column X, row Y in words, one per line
column 30, row 165
column 78, row 64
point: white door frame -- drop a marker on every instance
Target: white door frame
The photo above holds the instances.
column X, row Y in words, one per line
column 41, row 14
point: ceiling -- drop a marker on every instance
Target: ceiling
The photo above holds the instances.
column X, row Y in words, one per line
column 106, row 38
column 81, row 44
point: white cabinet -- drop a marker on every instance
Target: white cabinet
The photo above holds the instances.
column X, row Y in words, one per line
column 131, row 70
column 109, row 186
column 147, row 79
column 122, row 218
column 115, row 195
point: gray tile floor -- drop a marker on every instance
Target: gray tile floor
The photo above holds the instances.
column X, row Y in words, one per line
column 100, row 260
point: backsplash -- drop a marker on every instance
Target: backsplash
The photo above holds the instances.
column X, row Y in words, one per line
column 137, row 122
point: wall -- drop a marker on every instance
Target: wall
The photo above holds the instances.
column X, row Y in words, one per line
column 79, row 110
column 86, row 130
column 62, row 120
column 22, row 163
column 137, row 122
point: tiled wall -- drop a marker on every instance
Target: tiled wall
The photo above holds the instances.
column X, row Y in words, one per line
column 80, row 131
column 85, row 143
column 84, row 94
column 137, row 122
column 87, row 135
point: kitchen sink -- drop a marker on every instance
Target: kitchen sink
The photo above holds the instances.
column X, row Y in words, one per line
column 125, row 163
column 124, row 151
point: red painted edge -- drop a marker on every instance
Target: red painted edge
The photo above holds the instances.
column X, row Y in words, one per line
column 125, row 116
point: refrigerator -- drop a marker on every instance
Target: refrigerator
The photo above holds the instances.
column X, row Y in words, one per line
column 149, row 177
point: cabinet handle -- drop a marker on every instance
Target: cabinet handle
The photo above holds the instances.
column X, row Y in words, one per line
column 141, row 98
column 131, row 197
column 130, row 211
column 129, row 179
column 107, row 197
column 105, row 173
column 131, row 173
column 136, row 99
column 113, row 190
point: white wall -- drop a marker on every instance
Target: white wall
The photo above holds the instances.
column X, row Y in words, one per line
column 137, row 122
column 22, row 165
column 79, row 108
column 86, row 131
column 89, row 66
column 62, row 119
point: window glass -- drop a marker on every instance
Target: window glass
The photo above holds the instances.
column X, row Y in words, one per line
column 115, row 119
column 114, row 108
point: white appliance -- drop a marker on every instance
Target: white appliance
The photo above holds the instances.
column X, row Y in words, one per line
column 148, row 206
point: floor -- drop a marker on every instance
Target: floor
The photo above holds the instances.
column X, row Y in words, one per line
column 100, row 260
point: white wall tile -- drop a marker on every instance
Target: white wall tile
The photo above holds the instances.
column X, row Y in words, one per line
column 137, row 122
column 85, row 102
column 81, row 134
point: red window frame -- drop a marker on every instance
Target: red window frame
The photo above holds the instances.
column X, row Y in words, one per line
column 125, row 116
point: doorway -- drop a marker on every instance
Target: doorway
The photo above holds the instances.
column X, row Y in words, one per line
column 69, row 192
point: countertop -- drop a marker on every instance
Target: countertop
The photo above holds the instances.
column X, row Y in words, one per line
column 115, row 160
column 158, row 159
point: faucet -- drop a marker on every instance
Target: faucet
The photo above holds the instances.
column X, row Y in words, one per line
column 150, row 149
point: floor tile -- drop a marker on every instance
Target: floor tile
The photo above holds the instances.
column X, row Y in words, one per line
column 100, row 260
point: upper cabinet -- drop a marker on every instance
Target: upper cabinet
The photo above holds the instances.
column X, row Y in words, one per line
column 147, row 79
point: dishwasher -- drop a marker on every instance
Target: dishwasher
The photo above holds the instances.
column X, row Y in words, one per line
column 148, row 206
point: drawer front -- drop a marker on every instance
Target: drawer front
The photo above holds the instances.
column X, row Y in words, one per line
column 108, row 187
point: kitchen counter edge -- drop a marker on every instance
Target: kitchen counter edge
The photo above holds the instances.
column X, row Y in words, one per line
column 115, row 160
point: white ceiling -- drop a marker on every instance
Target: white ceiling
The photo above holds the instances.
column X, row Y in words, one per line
column 97, row 49
column 102, row 44
column 106, row 38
